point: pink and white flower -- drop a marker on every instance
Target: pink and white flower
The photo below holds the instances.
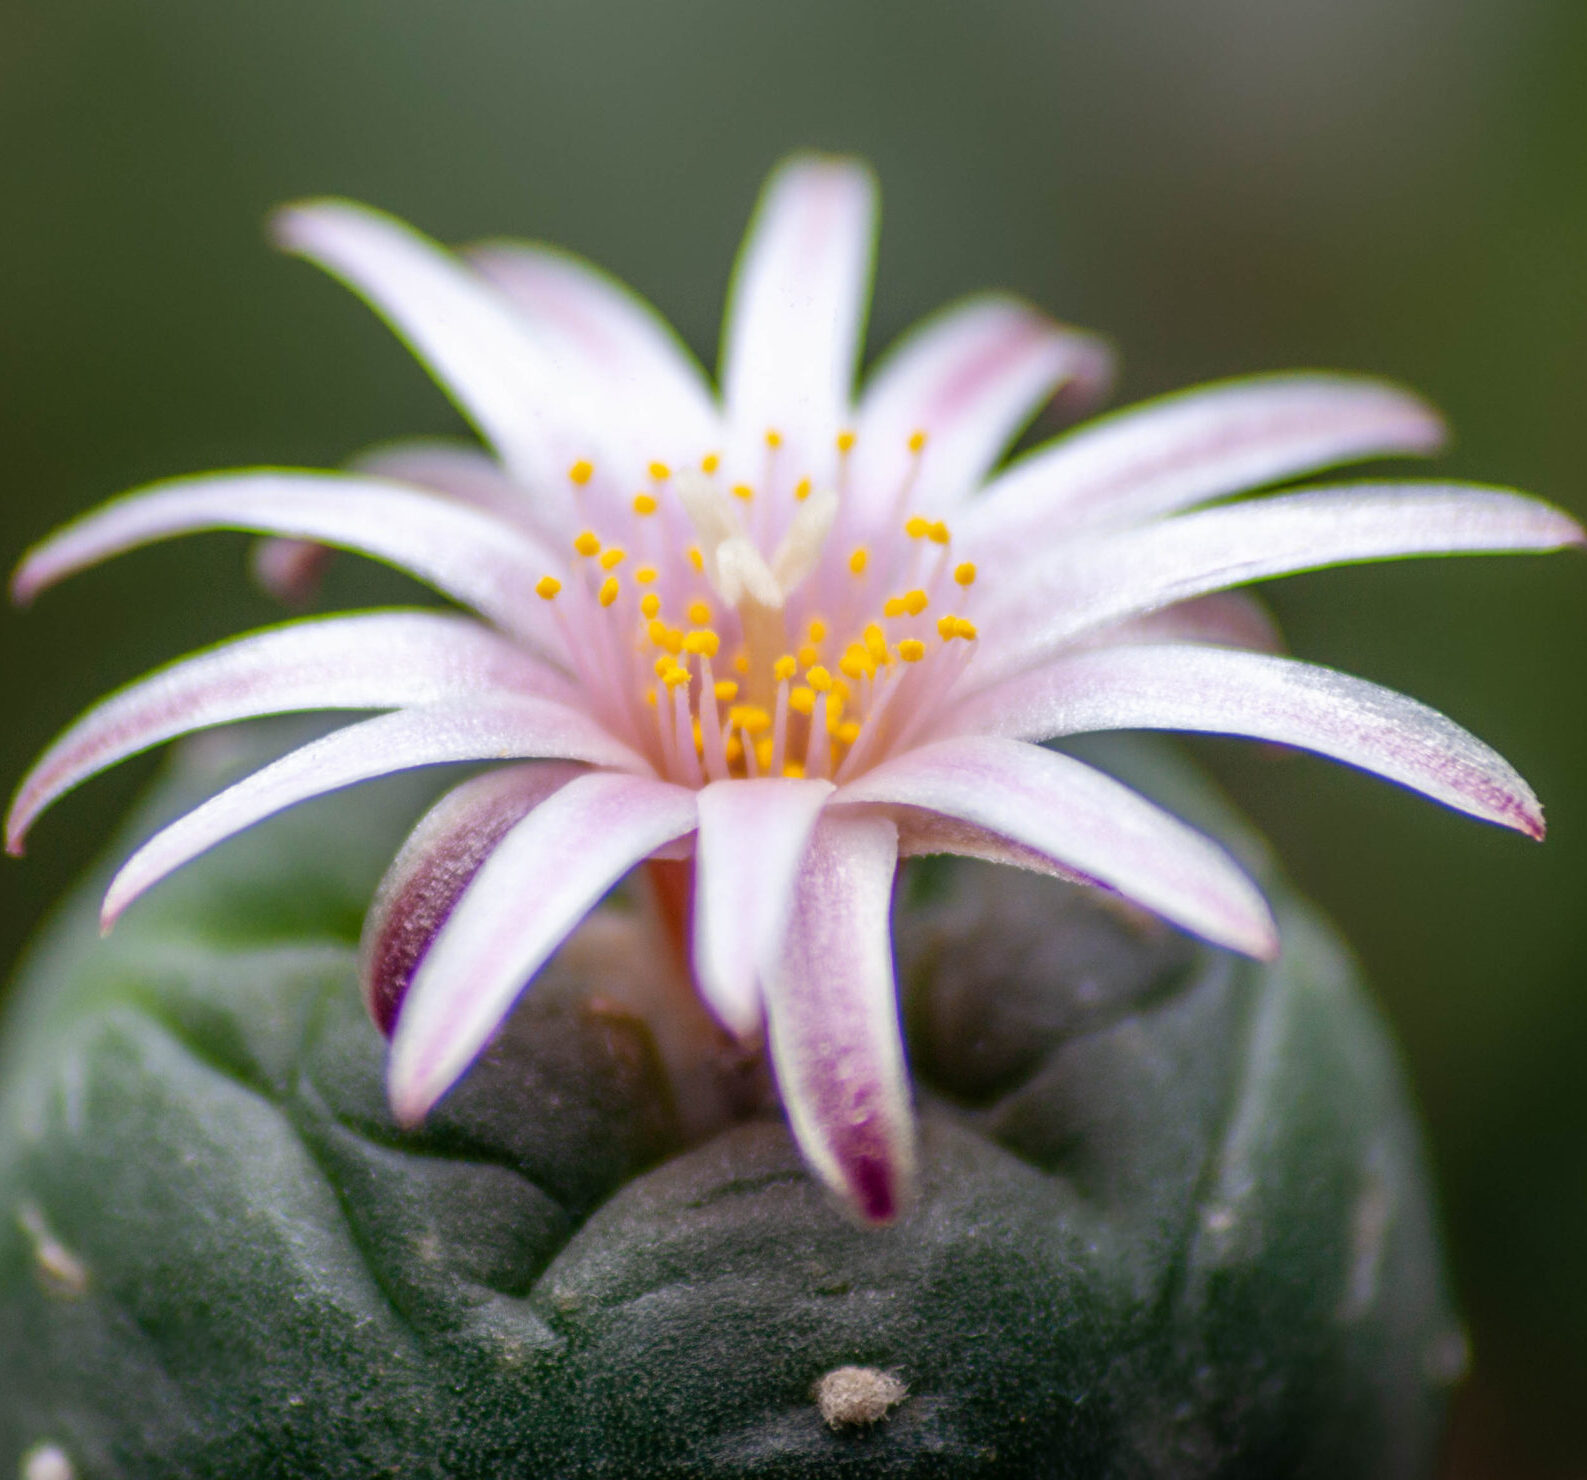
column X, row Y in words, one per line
column 780, row 632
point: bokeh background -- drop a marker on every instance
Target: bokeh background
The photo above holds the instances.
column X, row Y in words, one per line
column 1223, row 186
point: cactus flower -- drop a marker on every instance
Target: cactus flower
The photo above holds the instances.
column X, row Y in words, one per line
column 777, row 635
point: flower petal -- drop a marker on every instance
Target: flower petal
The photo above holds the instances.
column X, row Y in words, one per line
column 1184, row 449
column 459, row 472
column 1084, row 821
column 832, row 1018
column 378, row 660
column 467, row 555
column 474, row 342
column 592, row 326
column 1129, row 571
column 436, row 734
column 436, row 864
column 791, row 338
column 969, row 378
column 752, row 837
column 1222, row 618
column 542, row 879
column 1215, row 690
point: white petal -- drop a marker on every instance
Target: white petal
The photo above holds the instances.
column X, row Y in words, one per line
column 1108, row 577
column 969, row 378
column 800, row 289
column 593, row 327
column 460, row 472
column 437, row 862
column 379, row 660
column 474, row 341
column 752, row 838
column 832, row 1019
column 541, row 880
column 467, row 555
column 1176, row 687
column 1201, row 444
column 437, row 734
column 1222, row 618
column 1083, row 821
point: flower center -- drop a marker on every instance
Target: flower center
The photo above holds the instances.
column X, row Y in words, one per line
column 720, row 660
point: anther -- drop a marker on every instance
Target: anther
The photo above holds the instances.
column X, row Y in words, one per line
column 846, row 441
column 784, row 668
column 613, row 557
column 696, row 559
column 917, row 440
column 659, row 471
column 547, row 587
column 725, row 690
column 848, row 732
column 582, row 471
column 859, row 560
column 817, row 630
column 794, row 770
column 964, row 572
column 699, row 613
column 916, row 601
column 650, row 604
column 644, row 504
column 856, row 663
column 802, row 490
column 702, row 643
column 917, row 526
column 586, row 543
column 608, row 592
column 875, row 642
column 750, row 718
column 911, row 650
column 938, row 533
column 808, row 655
column 802, row 700
column 645, row 574
column 894, row 606
column 773, row 438
column 743, row 491
column 819, row 679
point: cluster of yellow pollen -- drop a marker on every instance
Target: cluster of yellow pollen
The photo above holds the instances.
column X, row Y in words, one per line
column 809, row 696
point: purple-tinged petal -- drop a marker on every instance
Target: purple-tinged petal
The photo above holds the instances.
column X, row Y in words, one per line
column 1112, row 576
column 1170, row 454
column 832, row 1018
column 752, row 837
column 472, row 340
column 791, row 338
column 459, row 472
column 467, row 555
column 922, row 833
column 289, row 570
column 593, row 326
column 969, row 378
column 379, row 660
column 1083, row 821
column 542, row 878
column 1219, row 691
column 1223, row 619
column 437, row 734
column 436, row 864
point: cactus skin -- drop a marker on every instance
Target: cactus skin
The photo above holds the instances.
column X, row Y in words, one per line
column 1172, row 1218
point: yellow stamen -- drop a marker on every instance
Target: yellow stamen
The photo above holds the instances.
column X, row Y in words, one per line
column 547, row 587
column 964, row 572
column 917, row 526
column 750, row 718
column 784, row 668
column 875, row 642
column 938, row 533
column 612, row 558
column 702, row 642
column 802, row 700
column 586, row 543
column 582, row 471
column 741, row 663
column 743, row 491
column 696, row 559
column 725, row 690
column 644, row 504
column 808, row 655
column 650, row 696
column 763, row 749
column 893, row 606
column 699, row 738
column 848, row 732
column 650, row 603
column 710, row 462
column 609, row 591
column 645, row 574
column 856, row 662
column 801, row 490
column 819, row 679
column 659, row 471
column 845, row 441
column 663, row 665
column 734, row 748
column 773, row 438
column 916, row 601
column 859, row 560
column 667, row 638
column 699, row 613
column 676, row 676
column 917, row 440
column 795, row 770
column 911, row 650
column 817, row 630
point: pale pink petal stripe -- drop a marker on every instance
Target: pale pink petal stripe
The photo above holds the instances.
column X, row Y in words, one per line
column 1201, row 444
column 436, row 864
column 832, row 1019
column 1084, row 821
column 467, row 555
column 436, row 734
column 542, row 879
column 752, row 837
column 595, row 327
column 1216, row 690
column 791, row 338
column 969, row 378
column 1223, row 618
column 379, row 660
column 473, row 341
column 1103, row 579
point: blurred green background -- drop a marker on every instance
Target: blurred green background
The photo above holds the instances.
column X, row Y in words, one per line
column 1398, row 186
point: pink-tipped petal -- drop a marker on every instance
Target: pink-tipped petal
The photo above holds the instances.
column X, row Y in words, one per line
column 1170, row 454
column 832, row 1019
column 467, row 555
column 593, row 327
column 459, row 325
column 1131, row 571
column 289, row 570
column 436, row 734
column 436, row 864
column 542, row 878
column 752, row 837
column 969, row 378
column 1219, row 691
column 379, row 660
column 1083, row 821
column 791, row 338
